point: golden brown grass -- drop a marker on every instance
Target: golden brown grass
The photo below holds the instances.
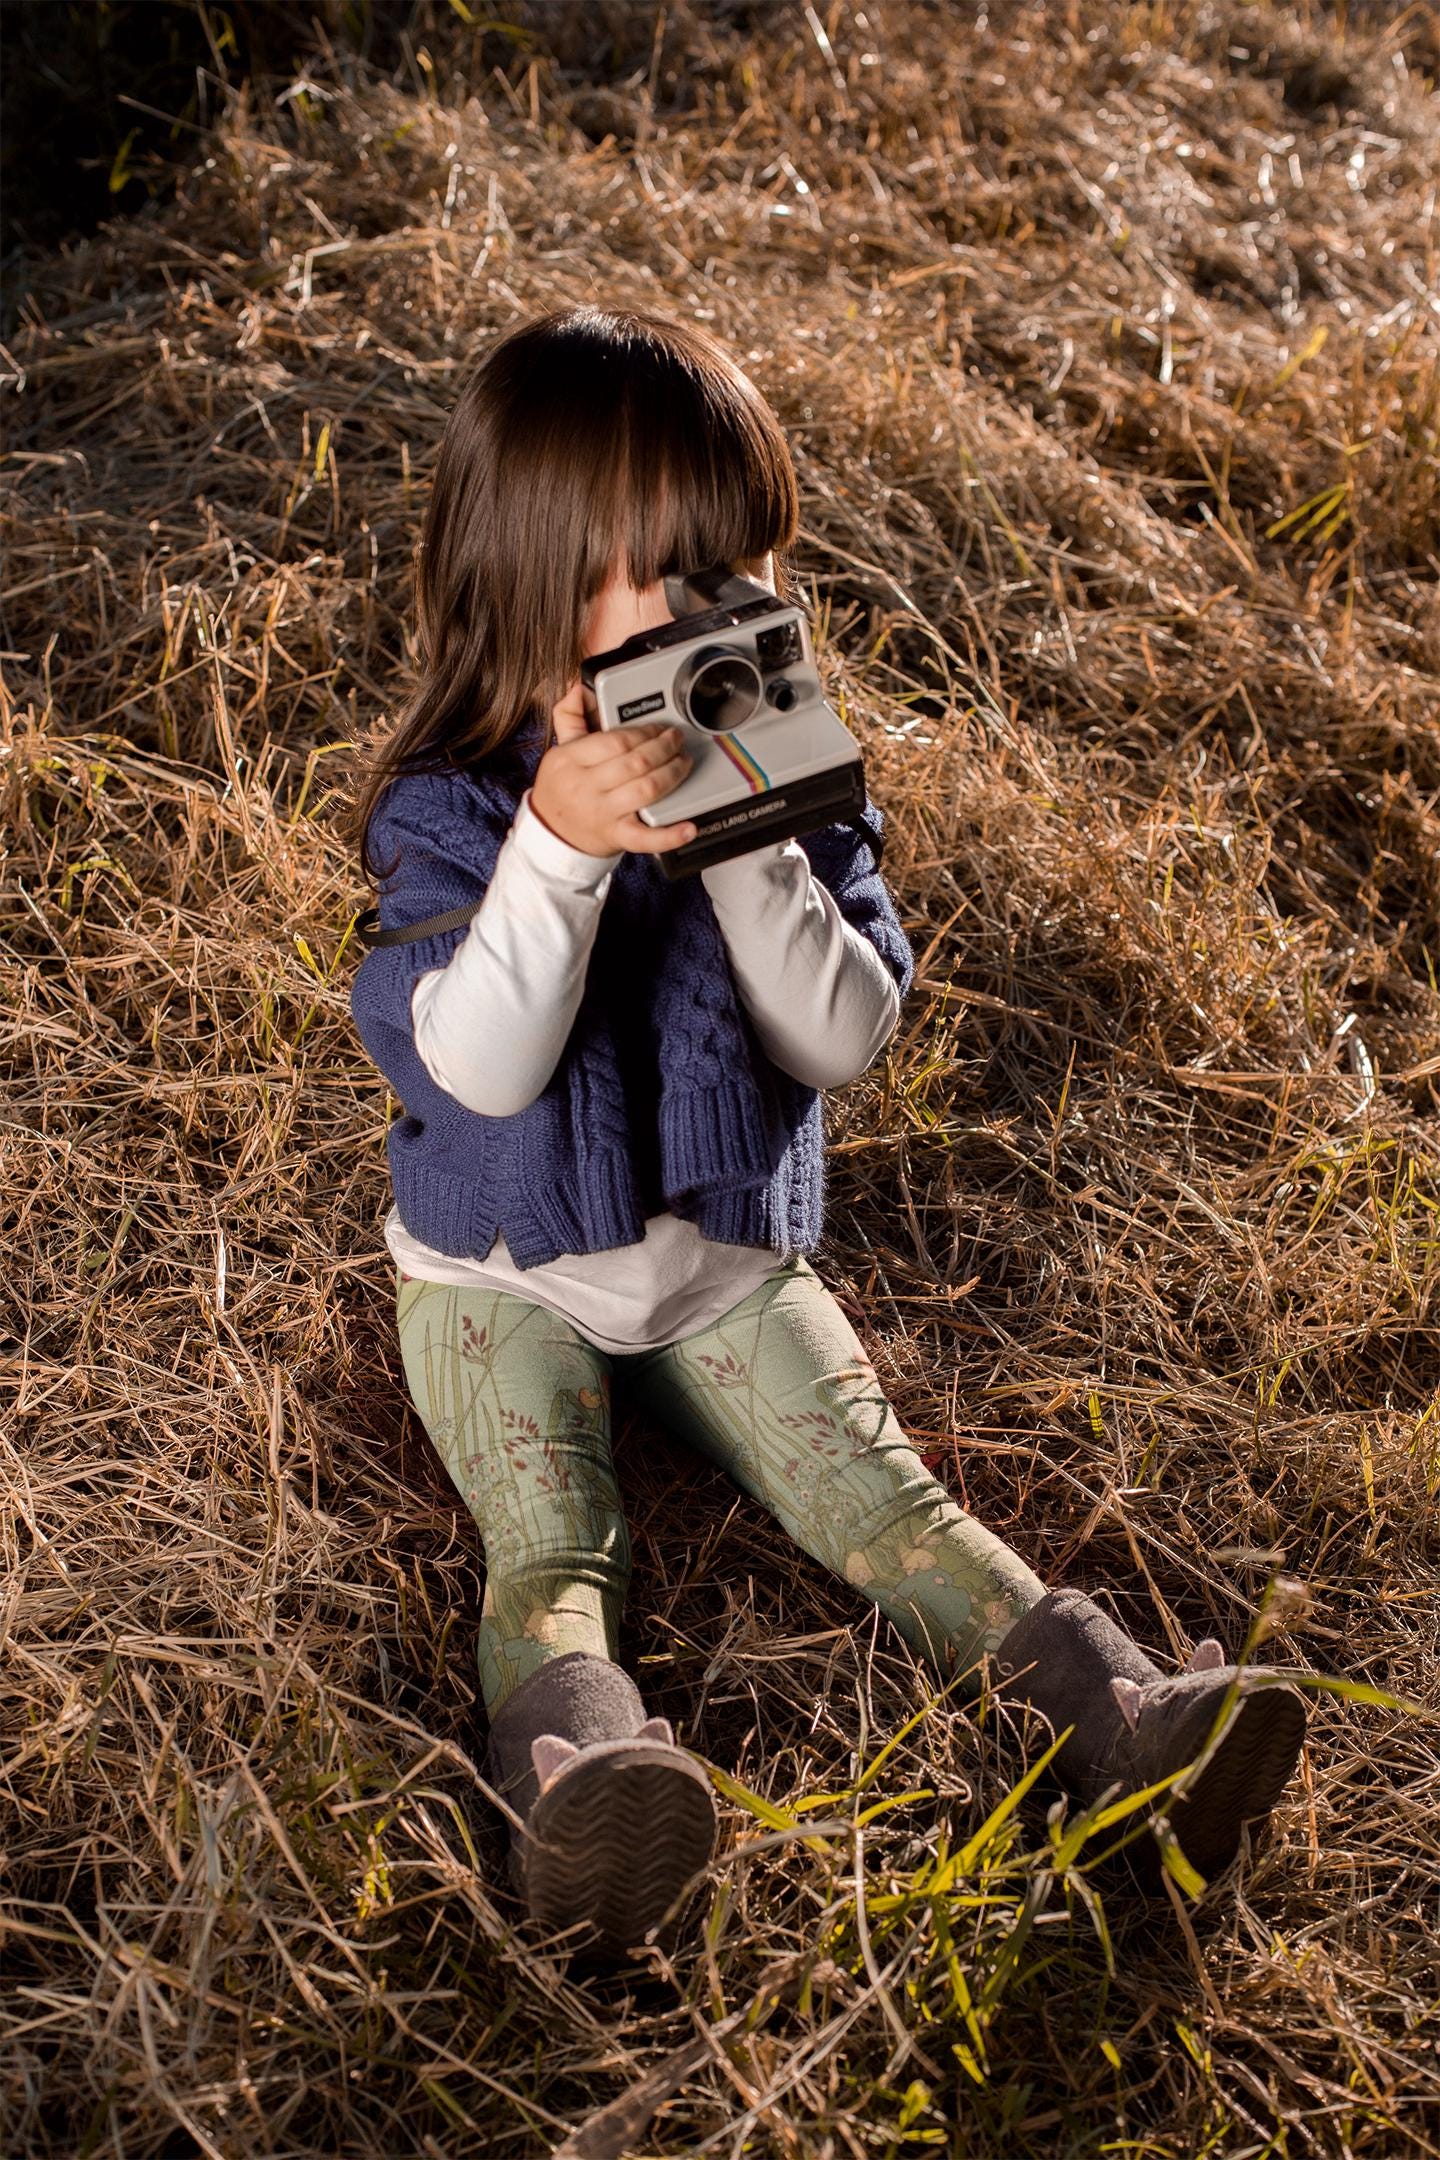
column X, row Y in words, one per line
column 1106, row 337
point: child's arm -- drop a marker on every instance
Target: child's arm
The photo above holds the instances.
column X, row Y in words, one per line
column 820, row 959
column 490, row 1026
column 486, row 1007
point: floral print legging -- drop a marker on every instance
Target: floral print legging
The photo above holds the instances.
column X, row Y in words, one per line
column 778, row 1391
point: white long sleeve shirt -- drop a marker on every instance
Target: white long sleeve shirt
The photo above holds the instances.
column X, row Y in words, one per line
column 491, row 1026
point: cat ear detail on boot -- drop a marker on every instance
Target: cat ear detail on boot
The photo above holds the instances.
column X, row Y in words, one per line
column 1129, row 1695
column 550, row 1754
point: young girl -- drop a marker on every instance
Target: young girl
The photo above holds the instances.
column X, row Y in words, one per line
column 610, row 1158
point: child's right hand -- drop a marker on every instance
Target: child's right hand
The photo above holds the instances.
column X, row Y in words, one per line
column 590, row 783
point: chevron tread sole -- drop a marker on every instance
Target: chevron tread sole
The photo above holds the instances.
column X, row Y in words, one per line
column 1249, row 1771
column 614, row 1841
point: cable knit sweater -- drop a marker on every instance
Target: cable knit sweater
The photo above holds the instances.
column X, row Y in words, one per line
column 492, row 1026
column 663, row 1099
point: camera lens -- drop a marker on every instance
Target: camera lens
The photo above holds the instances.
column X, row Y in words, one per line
column 723, row 690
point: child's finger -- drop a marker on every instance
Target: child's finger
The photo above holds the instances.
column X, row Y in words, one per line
column 569, row 714
column 641, row 839
column 641, row 742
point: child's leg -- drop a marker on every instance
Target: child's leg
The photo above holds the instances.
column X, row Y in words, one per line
column 780, row 1393
column 517, row 1403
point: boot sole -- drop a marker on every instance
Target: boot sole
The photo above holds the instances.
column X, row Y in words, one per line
column 613, row 1842
column 1249, row 1771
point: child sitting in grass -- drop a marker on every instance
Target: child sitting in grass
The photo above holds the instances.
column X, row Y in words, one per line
column 610, row 1159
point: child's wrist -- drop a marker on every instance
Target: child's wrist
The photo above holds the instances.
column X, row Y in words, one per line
column 550, row 849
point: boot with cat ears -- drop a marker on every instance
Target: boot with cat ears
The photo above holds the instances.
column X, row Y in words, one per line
column 1134, row 1725
column 617, row 1820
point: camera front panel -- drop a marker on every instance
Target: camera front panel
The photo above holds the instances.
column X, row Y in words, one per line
column 769, row 756
column 714, row 672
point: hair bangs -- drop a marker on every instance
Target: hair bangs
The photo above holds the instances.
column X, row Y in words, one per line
column 703, row 474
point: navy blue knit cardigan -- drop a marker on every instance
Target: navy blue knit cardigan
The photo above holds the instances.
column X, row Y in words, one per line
column 663, row 1097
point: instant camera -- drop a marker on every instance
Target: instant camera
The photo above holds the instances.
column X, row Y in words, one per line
column 736, row 669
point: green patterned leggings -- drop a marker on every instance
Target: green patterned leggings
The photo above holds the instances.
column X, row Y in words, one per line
column 778, row 1391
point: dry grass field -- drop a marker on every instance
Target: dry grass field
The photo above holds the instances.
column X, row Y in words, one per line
column 1107, row 340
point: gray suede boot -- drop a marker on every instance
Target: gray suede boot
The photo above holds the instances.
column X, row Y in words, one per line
column 617, row 1818
column 1134, row 1724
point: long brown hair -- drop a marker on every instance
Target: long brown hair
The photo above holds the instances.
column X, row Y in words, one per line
column 585, row 438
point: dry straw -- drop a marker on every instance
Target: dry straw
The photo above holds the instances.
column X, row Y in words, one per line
column 1106, row 338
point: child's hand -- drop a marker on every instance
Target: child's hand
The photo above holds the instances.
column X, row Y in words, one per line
column 590, row 783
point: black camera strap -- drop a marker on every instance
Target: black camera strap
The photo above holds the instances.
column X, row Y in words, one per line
column 367, row 926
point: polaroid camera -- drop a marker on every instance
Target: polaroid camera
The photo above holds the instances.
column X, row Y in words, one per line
column 736, row 669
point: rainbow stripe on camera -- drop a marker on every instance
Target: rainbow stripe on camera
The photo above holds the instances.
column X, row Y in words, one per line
column 745, row 763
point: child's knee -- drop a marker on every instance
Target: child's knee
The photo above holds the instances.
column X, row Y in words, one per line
column 886, row 1495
